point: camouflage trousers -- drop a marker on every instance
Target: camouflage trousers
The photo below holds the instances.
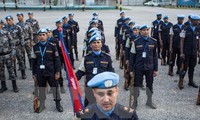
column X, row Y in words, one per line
column 28, row 49
column 20, row 58
column 6, row 60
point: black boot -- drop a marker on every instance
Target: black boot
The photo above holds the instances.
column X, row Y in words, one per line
column 40, row 108
column 15, row 88
column 191, row 81
column 15, row 72
column 135, row 96
column 58, row 106
column 23, row 74
column 62, row 89
column 30, row 64
column 3, row 86
column 149, row 100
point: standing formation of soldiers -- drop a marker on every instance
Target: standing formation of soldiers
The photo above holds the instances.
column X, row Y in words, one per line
column 138, row 49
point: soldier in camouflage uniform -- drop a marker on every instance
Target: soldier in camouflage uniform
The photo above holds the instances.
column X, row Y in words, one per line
column 18, row 39
column 7, row 53
column 35, row 26
column 28, row 36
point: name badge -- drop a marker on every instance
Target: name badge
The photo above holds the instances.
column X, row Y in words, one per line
column 197, row 37
column 94, row 71
column 42, row 66
column 144, row 54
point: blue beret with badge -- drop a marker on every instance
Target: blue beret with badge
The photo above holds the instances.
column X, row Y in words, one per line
column 30, row 13
column 122, row 12
column 8, row 17
column 48, row 29
column 195, row 17
column 42, row 30
column 136, row 27
column 71, row 14
column 64, row 17
column 104, row 80
column 159, row 14
column 93, row 29
column 143, row 27
column 131, row 22
column 93, row 21
column 95, row 14
column 20, row 14
column 180, row 16
column 94, row 38
column 59, row 21
column 127, row 18
column 96, row 33
column 165, row 17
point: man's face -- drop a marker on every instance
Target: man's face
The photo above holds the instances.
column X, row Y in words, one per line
column 10, row 21
column 71, row 17
column 106, row 98
column 122, row 15
column 136, row 31
column 180, row 20
column 49, row 33
column 165, row 20
column 96, row 45
column 43, row 37
column 20, row 18
column 195, row 22
column 30, row 16
column 59, row 25
column 145, row 32
column 159, row 17
column 65, row 20
column 94, row 24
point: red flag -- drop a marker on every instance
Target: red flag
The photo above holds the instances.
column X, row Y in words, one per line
column 73, row 84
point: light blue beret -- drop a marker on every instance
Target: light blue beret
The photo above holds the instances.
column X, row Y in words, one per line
column 20, row 13
column 93, row 30
column 42, row 30
column 131, row 22
column 8, row 17
column 48, row 29
column 122, row 12
column 165, row 17
column 95, row 14
column 136, row 27
column 195, row 17
column 59, row 21
column 96, row 33
column 94, row 38
column 104, row 80
column 180, row 16
column 159, row 14
column 143, row 27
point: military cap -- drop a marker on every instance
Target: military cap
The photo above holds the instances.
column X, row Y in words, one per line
column 165, row 17
column 94, row 38
column 181, row 16
column 159, row 14
column 42, row 30
column 71, row 14
column 96, row 33
column 95, row 14
column 143, row 27
column 127, row 18
column 104, row 80
column 136, row 27
column 59, row 21
column 19, row 13
column 195, row 17
column 64, row 17
column 1, row 21
column 122, row 12
column 8, row 17
column 30, row 13
column 93, row 21
column 189, row 16
column 48, row 29
column 93, row 29
column 131, row 22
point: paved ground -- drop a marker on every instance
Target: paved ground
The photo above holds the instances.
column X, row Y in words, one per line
column 172, row 103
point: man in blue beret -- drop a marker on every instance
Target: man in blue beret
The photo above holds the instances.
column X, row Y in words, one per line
column 75, row 29
column 34, row 24
column 174, row 47
column 155, row 32
column 46, row 67
column 92, row 64
column 144, row 62
column 105, row 89
column 100, row 22
column 189, row 48
column 164, row 38
column 28, row 36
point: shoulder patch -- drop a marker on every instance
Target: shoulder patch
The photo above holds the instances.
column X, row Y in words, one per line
column 52, row 43
column 137, row 39
column 106, row 53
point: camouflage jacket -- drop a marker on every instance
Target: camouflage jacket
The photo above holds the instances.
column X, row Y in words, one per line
column 34, row 24
column 27, row 30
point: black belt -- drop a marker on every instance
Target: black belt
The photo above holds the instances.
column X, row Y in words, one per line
column 1, row 54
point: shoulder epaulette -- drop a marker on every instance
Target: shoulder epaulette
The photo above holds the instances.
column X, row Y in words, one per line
column 137, row 39
column 52, row 43
column 153, row 39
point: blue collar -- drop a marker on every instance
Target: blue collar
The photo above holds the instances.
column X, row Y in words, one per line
column 166, row 23
column 192, row 27
column 158, row 21
column 145, row 38
column 43, row 43
column 107, row 113
column 180, row 25
column 97, row 52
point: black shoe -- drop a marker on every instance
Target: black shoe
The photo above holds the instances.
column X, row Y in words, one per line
column 23, row 74
column 40, row 109
column 62, row 90
column 192, row 84
column 3, row 89
column 59, row 107
column 151, row 105
column 177, row 72
column 135, row 105
column 15, row 88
